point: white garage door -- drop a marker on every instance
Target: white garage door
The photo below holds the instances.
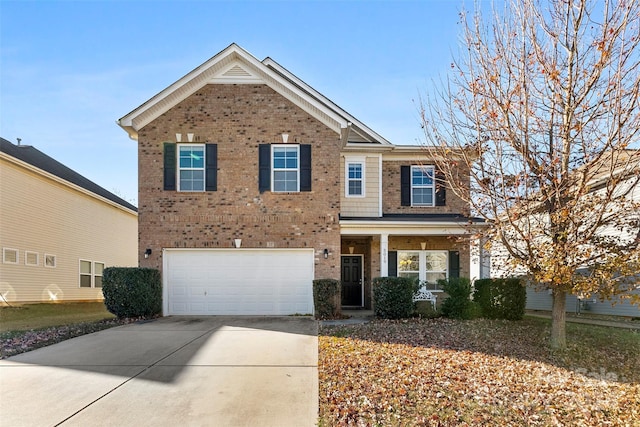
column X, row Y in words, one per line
column 238, row 281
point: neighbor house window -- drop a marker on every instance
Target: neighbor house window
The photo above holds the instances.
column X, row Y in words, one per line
column 49, row 260
column 422, row 185
column 425, row 266
column 285, row 170
column 31, row 258
column 91, row 274
column 9, row 256
column 355, row 178
column 191, row 164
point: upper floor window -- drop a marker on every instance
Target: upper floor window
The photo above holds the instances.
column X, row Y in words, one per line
column 355, row 178
column 191, row 167
column 422, row 185
column 285, row 168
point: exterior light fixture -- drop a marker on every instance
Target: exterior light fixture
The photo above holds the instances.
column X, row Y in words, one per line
column 326, row 253
column 147, row 253
column 351, row 249
column 423, row 245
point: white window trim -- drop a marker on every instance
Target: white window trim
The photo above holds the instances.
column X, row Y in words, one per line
column 274, row 169
column 203, row 168
column 432, row 186
column 26, row 258
column 350, row 161
column 422, row 264
column 55, row 261
column 4, row 256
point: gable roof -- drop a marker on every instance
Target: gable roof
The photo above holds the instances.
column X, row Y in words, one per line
column 234, row 65
column 36, row 158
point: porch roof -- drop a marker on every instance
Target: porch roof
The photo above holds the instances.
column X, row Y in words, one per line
column 410, row 224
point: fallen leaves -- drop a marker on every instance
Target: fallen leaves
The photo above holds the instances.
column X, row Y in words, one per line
column 443, row 372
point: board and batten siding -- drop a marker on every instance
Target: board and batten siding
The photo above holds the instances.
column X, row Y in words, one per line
column 43, row 215
column 369, row 205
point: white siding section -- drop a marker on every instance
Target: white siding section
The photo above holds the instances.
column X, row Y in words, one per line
column 542, row 300
column 369, row 205
column 40, row 215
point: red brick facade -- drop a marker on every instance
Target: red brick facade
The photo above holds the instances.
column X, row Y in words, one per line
column 238, row 118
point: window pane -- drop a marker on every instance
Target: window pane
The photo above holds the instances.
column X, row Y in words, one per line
column 285, row 157
column 422, row 176
column 355, row 188
column 408, row 261
column 422, row 196
column 436, row 261
column 191, row 157
column 85, row 281
column 85, row 267
column 99, row 267
column 285, row 181
column 98, row 281
column 355, row 171
column 192, row 180
column 434, row 277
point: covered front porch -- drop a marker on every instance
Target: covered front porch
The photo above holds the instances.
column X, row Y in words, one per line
column 426, row 248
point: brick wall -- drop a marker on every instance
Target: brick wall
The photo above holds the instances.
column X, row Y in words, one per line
column 238, row 118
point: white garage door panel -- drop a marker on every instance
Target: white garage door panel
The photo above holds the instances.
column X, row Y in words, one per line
column 238, row 281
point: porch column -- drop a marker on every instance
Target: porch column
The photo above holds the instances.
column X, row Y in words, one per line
column 384, row 255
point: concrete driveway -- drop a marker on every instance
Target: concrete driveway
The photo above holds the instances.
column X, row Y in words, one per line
column 188, row 371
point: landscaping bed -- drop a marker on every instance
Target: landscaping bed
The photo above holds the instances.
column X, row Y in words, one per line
column 443, row 372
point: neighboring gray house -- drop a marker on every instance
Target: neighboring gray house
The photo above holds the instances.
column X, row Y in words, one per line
column 542, row 299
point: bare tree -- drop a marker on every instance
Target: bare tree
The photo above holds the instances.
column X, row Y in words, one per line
column 543, row 103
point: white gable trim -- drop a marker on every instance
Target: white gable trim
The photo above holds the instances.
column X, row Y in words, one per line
column 232, row 65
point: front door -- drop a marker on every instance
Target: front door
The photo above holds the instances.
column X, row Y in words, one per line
column 351, row 267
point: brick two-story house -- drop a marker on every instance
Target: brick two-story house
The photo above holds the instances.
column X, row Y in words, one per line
column 252, row 184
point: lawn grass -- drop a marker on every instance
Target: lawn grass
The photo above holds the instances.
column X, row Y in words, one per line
column 37, row 316
column 445, row 372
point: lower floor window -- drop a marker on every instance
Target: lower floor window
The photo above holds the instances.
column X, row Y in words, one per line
column 91, row 274
column 425, row 266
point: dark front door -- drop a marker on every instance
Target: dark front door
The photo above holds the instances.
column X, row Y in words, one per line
column 352, row 280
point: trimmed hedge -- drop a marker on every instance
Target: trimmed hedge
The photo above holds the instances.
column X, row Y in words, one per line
column 132, row 291
column 501, row 298
column 393, row 297
column 458, row 305
column 326, row 298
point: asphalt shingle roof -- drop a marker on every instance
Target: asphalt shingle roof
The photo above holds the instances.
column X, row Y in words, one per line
column 38, row 159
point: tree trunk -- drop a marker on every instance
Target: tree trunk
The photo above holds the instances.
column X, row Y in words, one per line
column 558, row 332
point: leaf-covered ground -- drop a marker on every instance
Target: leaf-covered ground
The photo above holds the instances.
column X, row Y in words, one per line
column 443, row 372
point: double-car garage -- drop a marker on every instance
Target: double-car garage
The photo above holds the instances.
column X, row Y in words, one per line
column 238, row 281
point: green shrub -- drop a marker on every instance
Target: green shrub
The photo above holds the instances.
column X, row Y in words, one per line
column 501, row 298
column 132, row 291
column 458, row 305
column 393, row 297
column 425, row 310
column 326, row 298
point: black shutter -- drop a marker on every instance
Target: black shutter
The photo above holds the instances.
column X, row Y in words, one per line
column 264, row 167
column 441, row 191
column 170, row 166
column 211, row 168
column 305, row 167
column 405, row 185
column 392, row 263
column 454, row 264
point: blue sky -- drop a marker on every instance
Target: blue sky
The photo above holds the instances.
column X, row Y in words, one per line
column 70, row 69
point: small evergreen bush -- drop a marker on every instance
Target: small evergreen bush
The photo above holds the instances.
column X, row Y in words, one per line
column 501, row 298
column 326, row 298
column 132, row 291
column 393, row 297
column 458, row 305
